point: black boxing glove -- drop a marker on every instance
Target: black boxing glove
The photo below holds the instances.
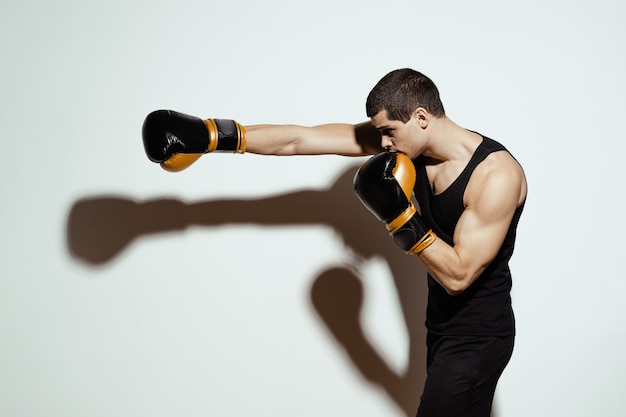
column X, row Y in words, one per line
column 176, row 140
column 384, row 184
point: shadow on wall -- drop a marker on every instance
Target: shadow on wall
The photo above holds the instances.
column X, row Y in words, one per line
column 100, row 227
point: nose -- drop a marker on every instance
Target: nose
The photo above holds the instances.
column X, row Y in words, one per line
column 386, row 142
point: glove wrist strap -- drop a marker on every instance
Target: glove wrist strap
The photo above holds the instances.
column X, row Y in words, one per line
column 225, row 136
column 423, row 243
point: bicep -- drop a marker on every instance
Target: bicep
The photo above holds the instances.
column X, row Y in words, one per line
column 483, row 226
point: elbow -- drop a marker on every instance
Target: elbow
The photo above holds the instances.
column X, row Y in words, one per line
column 457, row 281
column 457, row 285
column 454, row 290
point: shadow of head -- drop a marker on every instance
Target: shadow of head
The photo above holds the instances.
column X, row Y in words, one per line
column 337, row 296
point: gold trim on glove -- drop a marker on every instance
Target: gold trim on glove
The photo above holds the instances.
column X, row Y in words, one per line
column 213, row 135
column 242, row 138
column 179, row 161
column 399, row 221
column 423, row 243
column 405, row 175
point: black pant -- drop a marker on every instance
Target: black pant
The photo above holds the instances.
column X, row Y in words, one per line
column 462, row 373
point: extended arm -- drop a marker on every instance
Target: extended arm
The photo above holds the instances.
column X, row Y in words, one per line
column 176, row 140
column 339, row 139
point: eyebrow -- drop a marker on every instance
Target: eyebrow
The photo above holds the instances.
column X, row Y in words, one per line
column 384, row 127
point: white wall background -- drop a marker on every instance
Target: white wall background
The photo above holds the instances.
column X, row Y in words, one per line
column 252, row 285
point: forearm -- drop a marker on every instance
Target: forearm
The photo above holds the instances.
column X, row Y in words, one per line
column 448, row 267
column 338, row 138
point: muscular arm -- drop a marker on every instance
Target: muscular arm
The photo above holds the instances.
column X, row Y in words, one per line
column 491, row 199
column 339, row 138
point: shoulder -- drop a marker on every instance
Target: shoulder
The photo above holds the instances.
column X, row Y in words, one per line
column 499, row 178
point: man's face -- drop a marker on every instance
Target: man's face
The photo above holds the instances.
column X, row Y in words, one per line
column 396, row 135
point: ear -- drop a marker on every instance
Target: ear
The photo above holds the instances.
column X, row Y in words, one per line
column 422, row 117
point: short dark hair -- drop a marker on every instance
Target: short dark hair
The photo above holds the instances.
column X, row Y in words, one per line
column 401, row 92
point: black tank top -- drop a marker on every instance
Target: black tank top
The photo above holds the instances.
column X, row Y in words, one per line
column 483, row 309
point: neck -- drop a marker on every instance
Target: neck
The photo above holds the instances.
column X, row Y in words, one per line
column 449, row 141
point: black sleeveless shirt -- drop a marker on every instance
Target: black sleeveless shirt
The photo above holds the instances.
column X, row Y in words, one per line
column 483, row 309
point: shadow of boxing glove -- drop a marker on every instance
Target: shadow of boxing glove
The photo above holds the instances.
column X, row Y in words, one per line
column 176, row 140
column 384, row 184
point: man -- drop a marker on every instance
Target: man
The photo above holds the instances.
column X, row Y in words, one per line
column 470, row 192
